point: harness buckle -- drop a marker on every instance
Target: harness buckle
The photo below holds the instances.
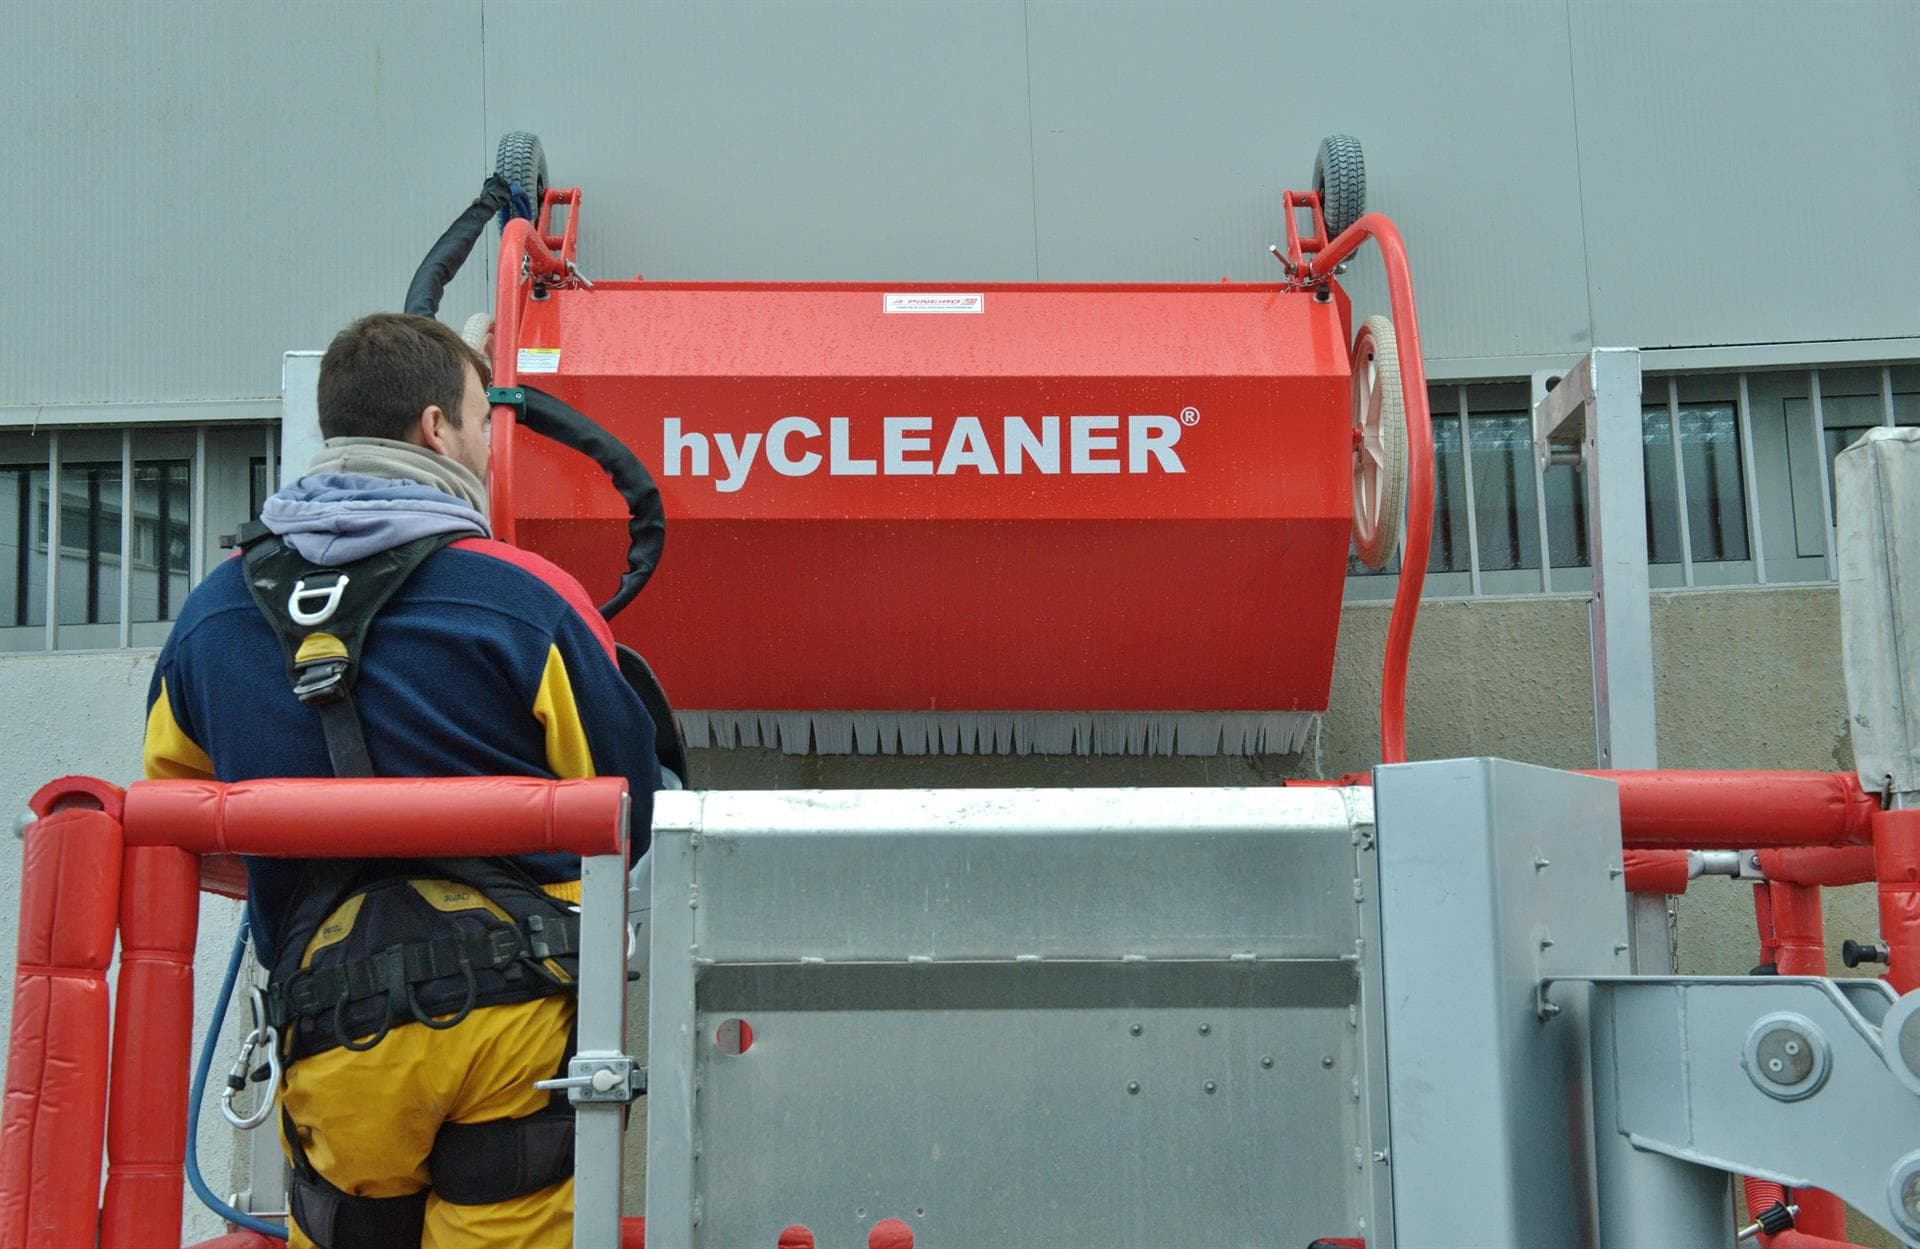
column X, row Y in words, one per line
column 504, row 946
column 320, row 682
column 537, row 937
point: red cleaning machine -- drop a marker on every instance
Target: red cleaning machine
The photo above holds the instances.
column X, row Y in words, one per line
column 987, row 498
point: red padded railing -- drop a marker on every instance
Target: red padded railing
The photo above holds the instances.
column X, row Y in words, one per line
column 97, row 862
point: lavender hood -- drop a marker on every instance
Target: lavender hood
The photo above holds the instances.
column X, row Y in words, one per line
column 338, row 518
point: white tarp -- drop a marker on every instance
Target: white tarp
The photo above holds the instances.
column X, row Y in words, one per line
column 1877, row 503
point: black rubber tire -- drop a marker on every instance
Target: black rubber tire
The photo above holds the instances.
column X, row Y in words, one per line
column 522, row 162
column 1340, row 175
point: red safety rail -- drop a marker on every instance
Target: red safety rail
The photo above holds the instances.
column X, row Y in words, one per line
column 1681, row 810
column 1896, row 848
column 97, row 862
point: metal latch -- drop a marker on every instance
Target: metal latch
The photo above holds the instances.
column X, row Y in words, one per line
column 600, row 1078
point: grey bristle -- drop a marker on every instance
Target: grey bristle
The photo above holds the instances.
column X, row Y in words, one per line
column 1198, row 733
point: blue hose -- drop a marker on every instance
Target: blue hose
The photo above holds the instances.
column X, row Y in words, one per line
column 199, row 1092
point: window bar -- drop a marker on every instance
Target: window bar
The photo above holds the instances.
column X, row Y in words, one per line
column 126, row 538
column 23, row 554
column 1540, row 518
column 53, row 539
column 197, row 511
column 93, row 544
column 1680, row 480
column 1820, row 453
column 1756, row 549
column 273, row 466
column 1466, row 468
column 1886, row 395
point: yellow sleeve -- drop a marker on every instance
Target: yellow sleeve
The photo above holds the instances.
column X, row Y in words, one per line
column 568, row 756
column 169, row 754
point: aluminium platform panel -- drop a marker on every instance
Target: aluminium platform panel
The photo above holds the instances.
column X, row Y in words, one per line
column 1016, row 1017
column 1495, row 876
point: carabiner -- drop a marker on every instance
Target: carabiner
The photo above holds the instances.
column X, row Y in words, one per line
column 263, row 1035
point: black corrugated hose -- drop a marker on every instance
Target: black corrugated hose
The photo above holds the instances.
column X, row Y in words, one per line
column 647, row 519
column 446, row 256
column 548, row 416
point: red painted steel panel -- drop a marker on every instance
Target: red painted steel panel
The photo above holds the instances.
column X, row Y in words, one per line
column 876, row 553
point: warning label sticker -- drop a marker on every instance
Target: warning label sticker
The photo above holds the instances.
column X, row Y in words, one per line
column 539, row 360
column 936, row 303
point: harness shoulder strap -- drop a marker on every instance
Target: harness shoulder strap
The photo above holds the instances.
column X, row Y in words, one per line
column 321, row 616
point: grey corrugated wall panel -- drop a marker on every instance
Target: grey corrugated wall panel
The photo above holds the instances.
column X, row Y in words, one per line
column 1750, row 170
column 200, row 187
column 1165, row 134
column 208, row 184
column 872, row 140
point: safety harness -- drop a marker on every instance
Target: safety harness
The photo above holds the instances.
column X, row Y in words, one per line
column 428, row 939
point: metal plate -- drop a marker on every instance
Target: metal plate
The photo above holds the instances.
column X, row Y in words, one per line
column 1492, row 876
column 996, row 1015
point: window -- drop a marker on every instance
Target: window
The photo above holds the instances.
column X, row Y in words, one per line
column 1847, row 417
column 115, row 526
column 1715, row 525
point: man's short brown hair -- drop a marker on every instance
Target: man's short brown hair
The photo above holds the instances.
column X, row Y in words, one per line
column 384, row 370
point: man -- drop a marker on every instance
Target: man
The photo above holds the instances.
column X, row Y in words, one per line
column 486, row 660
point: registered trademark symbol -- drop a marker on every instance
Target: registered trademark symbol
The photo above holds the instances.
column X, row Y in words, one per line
column 1189, row 416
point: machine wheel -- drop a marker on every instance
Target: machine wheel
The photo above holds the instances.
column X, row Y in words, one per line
column 522, row 163
column 476, row 332
column 1340, row 176
column 1379, row 443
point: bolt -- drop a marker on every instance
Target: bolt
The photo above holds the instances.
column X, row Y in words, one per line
column 24, row 822
column 1621, row 947
column 1209, row 1086
column 1785, row 1056
column 1615, row 872
column 1546, row 943
column 1541, row 864
column 1910, row 1195
column 1379, row 1155
column 1133, row 1086
column 1134, row 1030
column 1205, row 1029
column 1326, row 1060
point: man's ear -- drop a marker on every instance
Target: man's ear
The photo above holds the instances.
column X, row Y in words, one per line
column 429, row 430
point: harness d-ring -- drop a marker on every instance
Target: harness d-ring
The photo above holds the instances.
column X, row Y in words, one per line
column 340, row 1021
column 466, row 1007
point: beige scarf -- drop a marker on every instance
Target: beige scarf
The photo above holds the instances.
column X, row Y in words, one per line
column 384, row 457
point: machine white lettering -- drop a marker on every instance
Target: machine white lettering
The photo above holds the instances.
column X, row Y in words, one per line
column 909, row 447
